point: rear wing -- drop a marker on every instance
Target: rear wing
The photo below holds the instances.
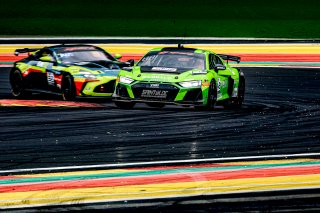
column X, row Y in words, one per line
column 25, row 50
column 230, row 58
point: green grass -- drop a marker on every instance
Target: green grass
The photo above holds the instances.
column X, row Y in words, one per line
column 204, row 18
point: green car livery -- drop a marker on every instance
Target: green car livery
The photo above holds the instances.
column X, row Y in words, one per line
column 182, row 76
column 70, row 70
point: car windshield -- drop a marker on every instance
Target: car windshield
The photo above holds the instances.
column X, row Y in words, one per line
column 185, row 60
column 79, row 56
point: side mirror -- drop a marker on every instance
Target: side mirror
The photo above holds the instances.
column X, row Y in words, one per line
column 117, row 56
column 219, row 67
column 46, row 58
column 131, row 62
column 129, row 69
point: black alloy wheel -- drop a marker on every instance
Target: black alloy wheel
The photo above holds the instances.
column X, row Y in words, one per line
column 68, row 88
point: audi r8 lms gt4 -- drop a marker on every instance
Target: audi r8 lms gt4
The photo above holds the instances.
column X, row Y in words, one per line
column 178, row 75
column 70, row 70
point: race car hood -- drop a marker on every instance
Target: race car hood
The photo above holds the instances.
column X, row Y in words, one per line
column 102, row 64
column 98, row 68
column 152, row 69
column 165, row 74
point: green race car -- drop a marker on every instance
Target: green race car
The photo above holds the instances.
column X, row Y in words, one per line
column 70, row 70
column 183, row 76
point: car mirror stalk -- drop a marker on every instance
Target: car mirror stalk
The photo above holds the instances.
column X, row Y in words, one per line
column 131, row 62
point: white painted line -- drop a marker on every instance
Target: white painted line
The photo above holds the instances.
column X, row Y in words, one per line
column 150, row 38
column 154, row 163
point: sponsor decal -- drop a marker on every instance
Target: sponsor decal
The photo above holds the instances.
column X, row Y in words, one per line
column 154, row 85
column 176, row 53
column 65, row 55
column 164, row 69
column 219, row 94
column 198, row 72
column 154, row 94
column 50, row 78
column 219, row 84
column 158, row 78
column 78, row 48
column 149, row 58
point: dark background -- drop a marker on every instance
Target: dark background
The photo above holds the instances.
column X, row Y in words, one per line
column 182, row 18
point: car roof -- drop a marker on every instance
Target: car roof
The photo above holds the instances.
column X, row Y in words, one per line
column 181, row 49
column 55, row 47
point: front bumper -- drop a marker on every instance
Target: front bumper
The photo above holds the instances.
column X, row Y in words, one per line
column 98, row 88
column 167, row 93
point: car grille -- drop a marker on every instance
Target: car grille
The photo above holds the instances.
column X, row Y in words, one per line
column 105, row 88
column 155, row 92
column 122, row 91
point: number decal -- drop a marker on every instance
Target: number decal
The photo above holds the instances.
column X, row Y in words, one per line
column 50, row 78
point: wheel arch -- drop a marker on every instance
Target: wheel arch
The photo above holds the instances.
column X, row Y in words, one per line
column 13, row 69
column 73, row 85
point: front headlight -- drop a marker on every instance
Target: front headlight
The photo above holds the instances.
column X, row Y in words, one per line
column 189, row 84
column 88, row 75
column 125, row 80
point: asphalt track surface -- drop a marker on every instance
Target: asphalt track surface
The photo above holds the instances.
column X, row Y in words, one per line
column 281, row 115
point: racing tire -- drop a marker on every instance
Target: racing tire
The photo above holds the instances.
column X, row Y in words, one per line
column 124, row 105
column 156, row 105
column 236, row 103
column 68, row 88
column 18, row 85
column 212, row 97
